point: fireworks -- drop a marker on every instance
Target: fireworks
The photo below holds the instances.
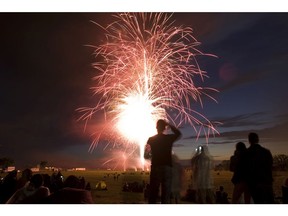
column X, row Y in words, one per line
column 146, row 71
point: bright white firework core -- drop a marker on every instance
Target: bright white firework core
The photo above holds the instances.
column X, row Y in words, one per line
column 136, row 119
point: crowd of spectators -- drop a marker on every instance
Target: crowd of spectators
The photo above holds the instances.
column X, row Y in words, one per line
column 38, row 188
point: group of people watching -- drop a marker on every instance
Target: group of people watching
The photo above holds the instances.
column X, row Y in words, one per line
column 252, row 172
column 44, row 189
column 251, row 167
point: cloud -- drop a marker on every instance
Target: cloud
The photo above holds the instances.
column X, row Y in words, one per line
column 277, row 133
column 224, row 142
column 231, row 24
column 242, row 120
column 248, row 120
column 243, row 79
column 241, row 125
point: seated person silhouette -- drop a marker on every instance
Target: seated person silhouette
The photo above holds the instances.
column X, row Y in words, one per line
column 221, row 196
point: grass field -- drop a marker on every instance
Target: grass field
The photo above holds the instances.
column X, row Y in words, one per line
column 115, row 195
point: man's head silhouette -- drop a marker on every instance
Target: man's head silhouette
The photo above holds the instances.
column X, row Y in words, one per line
column 161, row 125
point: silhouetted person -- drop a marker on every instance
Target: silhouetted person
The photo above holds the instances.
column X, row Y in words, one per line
column 46, row 181
column 260, row 180
column 73, row 182
column 8, row 186
column 221, row 196
column 88, row 186
column 71, row 193
column 31, row 193
column 82, row 183
column 25, row 178
column 239, row 167
column 160, row 147
column 202, row 180
column 57, row 181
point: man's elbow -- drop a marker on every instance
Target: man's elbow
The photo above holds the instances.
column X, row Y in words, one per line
column 179, row 135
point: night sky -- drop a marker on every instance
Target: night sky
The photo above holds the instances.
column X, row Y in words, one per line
column 46, row 70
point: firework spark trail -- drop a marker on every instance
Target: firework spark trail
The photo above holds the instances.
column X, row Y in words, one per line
column 146, row 73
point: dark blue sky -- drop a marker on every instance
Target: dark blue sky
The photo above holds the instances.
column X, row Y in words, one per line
column 46, row 73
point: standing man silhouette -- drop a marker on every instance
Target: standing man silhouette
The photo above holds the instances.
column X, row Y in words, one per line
column 260, row 180
column 159, row 148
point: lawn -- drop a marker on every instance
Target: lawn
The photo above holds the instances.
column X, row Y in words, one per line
column 115, row 195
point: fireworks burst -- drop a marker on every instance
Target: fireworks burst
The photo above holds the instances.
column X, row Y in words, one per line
column 146, row 72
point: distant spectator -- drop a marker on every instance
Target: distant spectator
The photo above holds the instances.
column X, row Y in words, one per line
column 190, row 195
column 82, row 183
column 221, row 196
column 88, row 186
column 125, row 187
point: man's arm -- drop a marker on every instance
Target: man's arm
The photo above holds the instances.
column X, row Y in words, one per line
column 147, row 151
column 175, row 130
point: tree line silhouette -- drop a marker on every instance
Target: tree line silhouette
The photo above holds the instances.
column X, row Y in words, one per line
column 280, row 163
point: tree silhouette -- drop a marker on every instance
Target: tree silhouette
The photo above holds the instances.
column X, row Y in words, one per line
column 6, row 162
column 43, row 164
column 280, row 162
